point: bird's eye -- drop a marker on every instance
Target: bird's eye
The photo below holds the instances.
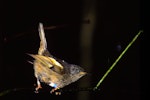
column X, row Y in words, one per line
column 74, row 70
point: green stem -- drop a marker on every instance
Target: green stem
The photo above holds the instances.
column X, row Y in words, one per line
column 112, row 66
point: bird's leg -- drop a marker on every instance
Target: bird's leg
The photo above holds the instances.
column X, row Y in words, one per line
column 54, row 89
column 38, row 86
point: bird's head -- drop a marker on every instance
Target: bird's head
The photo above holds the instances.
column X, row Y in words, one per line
column 76, row 72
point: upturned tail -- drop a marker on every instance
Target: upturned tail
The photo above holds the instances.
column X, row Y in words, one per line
column 43, row 43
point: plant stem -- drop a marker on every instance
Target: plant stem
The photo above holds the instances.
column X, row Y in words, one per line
column 113, row 65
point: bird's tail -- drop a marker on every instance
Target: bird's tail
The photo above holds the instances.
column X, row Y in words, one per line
column 43, row 43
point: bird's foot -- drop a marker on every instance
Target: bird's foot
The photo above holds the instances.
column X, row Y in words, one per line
column 56, row 92
column 37, row 88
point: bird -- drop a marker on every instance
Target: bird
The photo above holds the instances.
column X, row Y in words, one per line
column 53, row 71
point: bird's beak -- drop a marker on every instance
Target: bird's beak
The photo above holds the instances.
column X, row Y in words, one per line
column 83, row 73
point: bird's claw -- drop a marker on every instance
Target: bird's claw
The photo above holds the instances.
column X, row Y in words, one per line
column 56, row 93
column 37, row 88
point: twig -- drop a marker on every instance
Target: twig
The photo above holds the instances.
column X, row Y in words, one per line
column 113, row 65
column 6, row 92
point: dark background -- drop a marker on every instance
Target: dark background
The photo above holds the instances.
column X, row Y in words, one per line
column 116, row 24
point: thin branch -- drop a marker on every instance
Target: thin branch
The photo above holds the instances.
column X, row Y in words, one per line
column 113, row 65
column 6, row 92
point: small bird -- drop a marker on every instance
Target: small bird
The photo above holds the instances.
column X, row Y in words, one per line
column 54, row 72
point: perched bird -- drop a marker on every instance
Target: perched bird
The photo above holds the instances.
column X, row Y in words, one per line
column 53, row 71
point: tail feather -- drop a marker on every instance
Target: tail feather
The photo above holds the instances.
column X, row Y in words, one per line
column 43, row 43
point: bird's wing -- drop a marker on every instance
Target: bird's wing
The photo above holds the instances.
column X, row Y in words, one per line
column 49, row 62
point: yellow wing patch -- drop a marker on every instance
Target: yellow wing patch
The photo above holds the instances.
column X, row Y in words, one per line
column 47, row 61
